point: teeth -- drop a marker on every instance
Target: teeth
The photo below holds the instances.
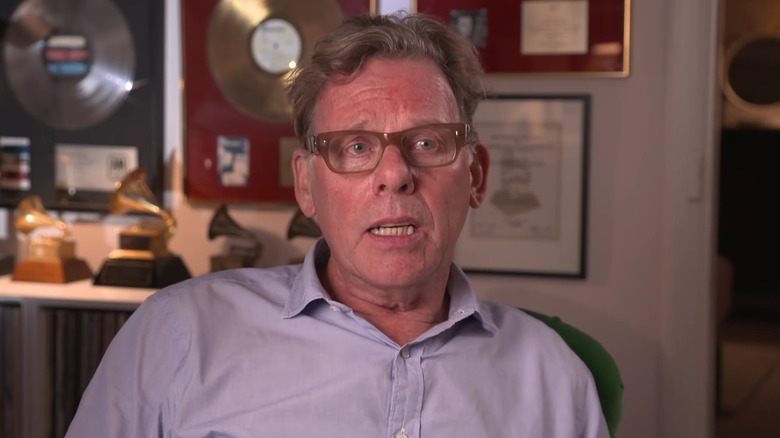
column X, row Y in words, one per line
column 394, row 230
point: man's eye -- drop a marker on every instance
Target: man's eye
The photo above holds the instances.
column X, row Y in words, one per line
column 350, row 145
column 426, row 145
column 357, row 148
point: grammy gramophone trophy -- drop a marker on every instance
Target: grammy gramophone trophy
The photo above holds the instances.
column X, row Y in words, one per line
column 50, row 259
column 237, row 256
column 143, row 258
column 302, row 226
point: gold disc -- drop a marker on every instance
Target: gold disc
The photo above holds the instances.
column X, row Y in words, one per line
column 69, row 63
column 254, row 45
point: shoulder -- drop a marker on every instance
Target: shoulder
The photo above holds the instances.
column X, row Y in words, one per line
column 516, row 322
column 530, row 336
column 252, row 280
column 226, row 292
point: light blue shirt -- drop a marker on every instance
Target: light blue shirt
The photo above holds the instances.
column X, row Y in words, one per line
column 267, row 353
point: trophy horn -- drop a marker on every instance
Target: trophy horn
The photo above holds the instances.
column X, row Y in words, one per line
column 143, row 258
column 134, row 195
column 31, row 214
column 223, row 225
column 300, row 225
column 238, row 256
column 49, row 259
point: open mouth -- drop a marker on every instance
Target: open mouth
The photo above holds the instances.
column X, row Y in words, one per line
column 392, row 230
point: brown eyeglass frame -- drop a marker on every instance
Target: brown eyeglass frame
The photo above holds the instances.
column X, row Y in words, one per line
column 316, row 144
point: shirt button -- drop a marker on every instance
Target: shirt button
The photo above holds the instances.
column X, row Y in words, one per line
column 401, row 434
column 335, row 308
column 406, row 354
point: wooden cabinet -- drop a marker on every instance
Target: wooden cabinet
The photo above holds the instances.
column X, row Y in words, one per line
column 10, row 370
column 52, row 337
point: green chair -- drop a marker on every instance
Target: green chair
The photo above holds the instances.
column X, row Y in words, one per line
column 601, row 364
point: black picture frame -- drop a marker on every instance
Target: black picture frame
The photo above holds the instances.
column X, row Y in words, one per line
column 95, row 156
column 534, row 215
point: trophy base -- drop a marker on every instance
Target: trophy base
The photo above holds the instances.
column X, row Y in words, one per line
column 7, row 262
column 51, row 271
column 148, row 273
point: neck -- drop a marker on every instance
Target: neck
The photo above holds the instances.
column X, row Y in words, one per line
column 401, row 315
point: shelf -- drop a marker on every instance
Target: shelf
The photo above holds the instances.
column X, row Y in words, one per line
column 54, row 330
column 74, row 294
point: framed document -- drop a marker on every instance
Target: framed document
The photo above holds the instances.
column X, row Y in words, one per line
column 532, row 220
column 567, row 37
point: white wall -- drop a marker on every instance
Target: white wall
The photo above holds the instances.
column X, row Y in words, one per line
column 647, row 132
column 619, row 303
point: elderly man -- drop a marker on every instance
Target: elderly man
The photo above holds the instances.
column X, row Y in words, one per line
column 377, row 333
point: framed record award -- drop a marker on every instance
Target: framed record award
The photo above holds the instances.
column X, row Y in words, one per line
column 238, row 129
column 542, row 37
column 81, row 99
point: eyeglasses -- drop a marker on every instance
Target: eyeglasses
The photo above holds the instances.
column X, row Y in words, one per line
column 432, row 145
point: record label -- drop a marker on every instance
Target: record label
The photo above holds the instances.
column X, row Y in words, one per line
column 67, row 56
column 276, row 46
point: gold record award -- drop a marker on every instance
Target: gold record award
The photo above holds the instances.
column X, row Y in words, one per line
column 143, row 258
column 253, row 46
column 50, row 259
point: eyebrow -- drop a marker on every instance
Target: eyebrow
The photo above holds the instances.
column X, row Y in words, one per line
column 361, row 126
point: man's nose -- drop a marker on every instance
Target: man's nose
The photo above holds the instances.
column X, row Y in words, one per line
column 393, row 173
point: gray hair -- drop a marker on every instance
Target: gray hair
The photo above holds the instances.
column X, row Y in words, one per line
column 341, row 55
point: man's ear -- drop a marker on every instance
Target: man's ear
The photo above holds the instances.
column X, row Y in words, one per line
column 302, row 172
column 479, row 171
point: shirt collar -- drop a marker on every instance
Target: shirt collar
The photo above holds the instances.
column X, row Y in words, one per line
column 307, row 288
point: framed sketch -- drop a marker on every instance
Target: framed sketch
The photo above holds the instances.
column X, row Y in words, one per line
column 559, row 37
column 532, row 220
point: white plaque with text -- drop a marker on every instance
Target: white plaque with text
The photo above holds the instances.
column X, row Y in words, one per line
column 554, row 27
column 93, row 167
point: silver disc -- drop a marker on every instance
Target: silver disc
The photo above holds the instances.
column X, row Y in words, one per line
column 69, row 63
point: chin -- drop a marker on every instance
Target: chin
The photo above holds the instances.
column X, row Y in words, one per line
column 397, row 276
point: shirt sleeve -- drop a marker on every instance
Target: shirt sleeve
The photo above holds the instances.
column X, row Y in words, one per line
column 591, row 417
column 132, row 393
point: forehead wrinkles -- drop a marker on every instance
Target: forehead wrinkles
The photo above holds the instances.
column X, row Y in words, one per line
column 397, row 93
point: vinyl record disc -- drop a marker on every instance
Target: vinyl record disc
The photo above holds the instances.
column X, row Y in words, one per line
column 254, row 45
column 69, row 63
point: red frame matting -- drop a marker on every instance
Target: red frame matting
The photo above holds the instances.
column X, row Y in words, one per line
column 207, row 115
column 606, row 23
